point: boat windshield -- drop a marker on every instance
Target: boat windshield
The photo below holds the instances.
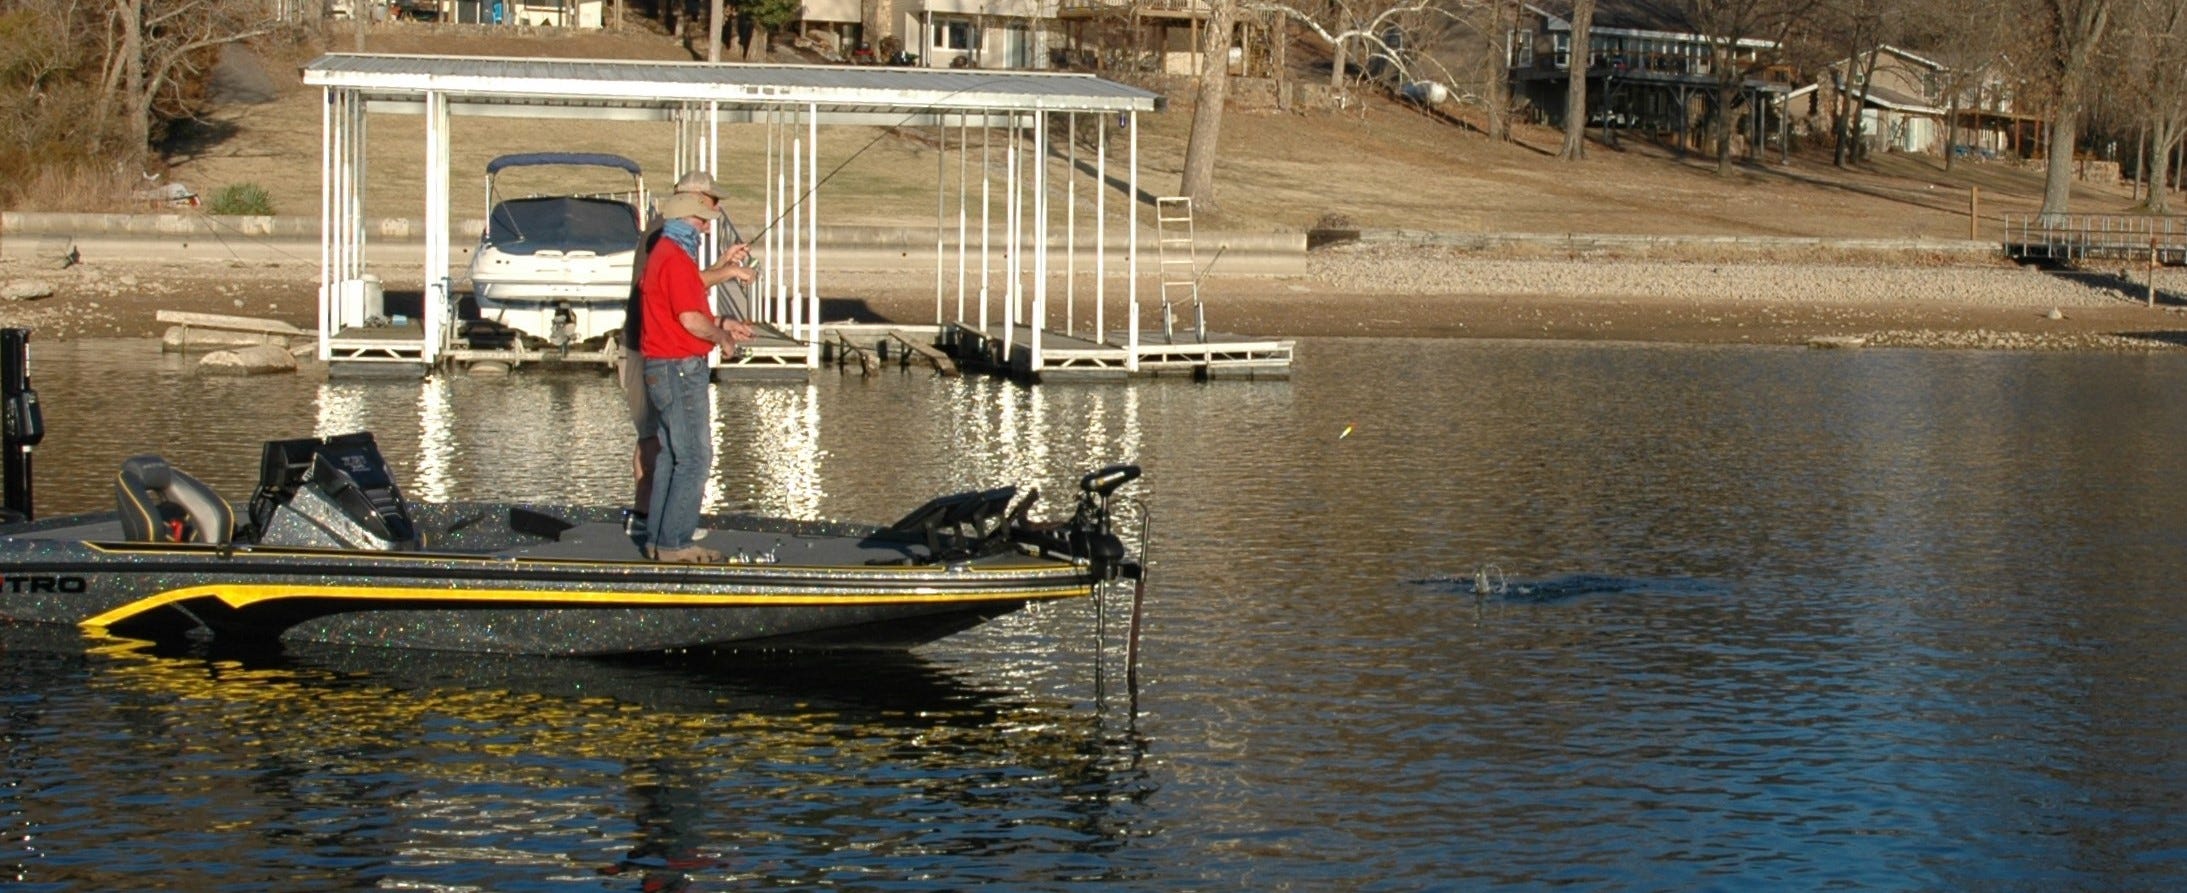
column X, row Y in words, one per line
column 563, row 223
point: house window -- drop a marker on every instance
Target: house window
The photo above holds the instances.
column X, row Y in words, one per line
column 1522, row 48
column 955, row 34
column 1563, row 43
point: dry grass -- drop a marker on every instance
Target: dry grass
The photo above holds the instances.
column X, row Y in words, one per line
column 86, row 185
column 1382, row 164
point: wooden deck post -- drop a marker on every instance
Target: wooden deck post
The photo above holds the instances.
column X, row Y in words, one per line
column 2154, row 262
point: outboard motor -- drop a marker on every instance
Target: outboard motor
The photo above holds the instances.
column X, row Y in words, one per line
column 24, row 427
column 565, row 326
column 335, row 492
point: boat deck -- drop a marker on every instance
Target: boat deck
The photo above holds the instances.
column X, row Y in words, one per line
column 589, row 541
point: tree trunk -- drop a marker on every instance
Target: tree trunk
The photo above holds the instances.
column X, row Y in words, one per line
column 1841, row 125
column 2058, row 168
column 1336, row 65
column 2163, row 136
column 136, row 94
column 2080, row 27
column 1860, row 107
column 1207, row 112
column 713, row 31
column 1727, row 89
column 2141, row 169
column 1951, row 129
column 1498, row 85
column 1575, row 92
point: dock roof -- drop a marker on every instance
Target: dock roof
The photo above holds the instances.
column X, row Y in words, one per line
column 615, row 88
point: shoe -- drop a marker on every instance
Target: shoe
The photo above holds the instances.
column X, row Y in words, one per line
column 688, row 555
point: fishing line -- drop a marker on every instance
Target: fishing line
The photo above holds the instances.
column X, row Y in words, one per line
column 886, row 132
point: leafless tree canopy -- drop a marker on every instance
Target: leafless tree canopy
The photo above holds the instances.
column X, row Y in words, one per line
column 87, row 87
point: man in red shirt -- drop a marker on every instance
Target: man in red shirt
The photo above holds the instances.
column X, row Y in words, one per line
column 677, row 332
column 631, row 371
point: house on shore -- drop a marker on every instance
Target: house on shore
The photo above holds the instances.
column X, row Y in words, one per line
column 1647, row 72
column 1910, row 103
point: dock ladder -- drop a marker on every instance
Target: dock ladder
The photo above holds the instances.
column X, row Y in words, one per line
column 1180, row 272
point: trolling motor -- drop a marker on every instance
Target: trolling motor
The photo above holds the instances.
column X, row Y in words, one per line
column 1088, row 534
column 24, row 424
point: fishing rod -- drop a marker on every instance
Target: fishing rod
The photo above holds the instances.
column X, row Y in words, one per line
column 886, row 132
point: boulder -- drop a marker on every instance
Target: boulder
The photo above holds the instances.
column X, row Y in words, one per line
column 260, row 360
column 26, row 290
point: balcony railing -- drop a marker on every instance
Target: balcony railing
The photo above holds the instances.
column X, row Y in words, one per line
column 1094, row 7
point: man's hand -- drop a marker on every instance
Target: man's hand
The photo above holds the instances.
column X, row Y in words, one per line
column 730, row 266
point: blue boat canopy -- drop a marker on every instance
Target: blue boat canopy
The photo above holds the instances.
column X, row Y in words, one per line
column 528, row 159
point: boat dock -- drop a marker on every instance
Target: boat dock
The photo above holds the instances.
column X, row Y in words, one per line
column 1210, row 356
column 2154, row 239
column 1026, row 202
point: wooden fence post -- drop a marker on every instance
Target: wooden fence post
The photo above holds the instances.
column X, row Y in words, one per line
column 2153, row 264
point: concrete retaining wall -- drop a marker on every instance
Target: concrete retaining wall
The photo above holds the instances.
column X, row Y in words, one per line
column 400, row 240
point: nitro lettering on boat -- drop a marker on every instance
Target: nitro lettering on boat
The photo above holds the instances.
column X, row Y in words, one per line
column 40, row 583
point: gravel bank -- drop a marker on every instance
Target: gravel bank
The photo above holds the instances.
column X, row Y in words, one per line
column 1429, row 269
column 1351, row 291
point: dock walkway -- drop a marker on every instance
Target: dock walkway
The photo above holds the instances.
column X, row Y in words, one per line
column 2155, row 239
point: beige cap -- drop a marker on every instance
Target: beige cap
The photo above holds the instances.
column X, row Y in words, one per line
column 685, row 204
column 700, row 182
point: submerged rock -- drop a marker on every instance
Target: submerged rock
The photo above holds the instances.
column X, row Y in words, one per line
column 259, row 360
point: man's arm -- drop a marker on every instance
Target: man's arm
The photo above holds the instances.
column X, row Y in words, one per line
column 701, row 325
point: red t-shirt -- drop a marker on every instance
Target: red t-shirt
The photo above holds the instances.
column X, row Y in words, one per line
column 670, row 287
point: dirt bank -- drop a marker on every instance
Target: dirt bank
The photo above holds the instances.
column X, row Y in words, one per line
column 1362, row 294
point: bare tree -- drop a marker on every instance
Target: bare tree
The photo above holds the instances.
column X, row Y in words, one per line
column 2077, row 29
column 1503, row 25
column 2153, row 60
column 1384, row 33
column 1575, row 92
column 1859, row 28
column 1207, row 113
column 1969, row 38
column 160, row 45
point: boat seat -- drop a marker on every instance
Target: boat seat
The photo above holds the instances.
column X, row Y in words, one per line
column 160, row 503
column 957, row 526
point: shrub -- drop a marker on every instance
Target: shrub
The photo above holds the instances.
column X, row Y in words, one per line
column 241, row 200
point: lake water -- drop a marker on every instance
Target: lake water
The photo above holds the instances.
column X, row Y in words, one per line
column 1755, row 619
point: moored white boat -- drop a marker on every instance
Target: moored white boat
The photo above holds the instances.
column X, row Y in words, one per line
column 555, row 267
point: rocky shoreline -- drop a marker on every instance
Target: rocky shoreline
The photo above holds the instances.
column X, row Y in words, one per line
column 1361, row 290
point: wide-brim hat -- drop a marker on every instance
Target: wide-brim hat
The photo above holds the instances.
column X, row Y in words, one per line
column 700, row 182
column 685, row 204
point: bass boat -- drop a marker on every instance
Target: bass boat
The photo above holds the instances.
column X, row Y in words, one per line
column 328, row 550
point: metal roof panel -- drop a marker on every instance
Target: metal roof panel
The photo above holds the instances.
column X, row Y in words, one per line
column 628, row 83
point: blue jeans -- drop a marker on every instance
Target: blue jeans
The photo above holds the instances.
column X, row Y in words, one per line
column 680, row 391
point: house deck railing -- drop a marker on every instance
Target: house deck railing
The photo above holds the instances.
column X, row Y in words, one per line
column 1069, row 8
